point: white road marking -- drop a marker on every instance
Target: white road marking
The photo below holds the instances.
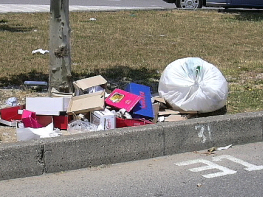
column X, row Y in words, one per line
column 210, row 165
column 249, row 166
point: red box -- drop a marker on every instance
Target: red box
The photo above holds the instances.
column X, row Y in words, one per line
column 61, row 122
column 11, row 113
column 131, row 122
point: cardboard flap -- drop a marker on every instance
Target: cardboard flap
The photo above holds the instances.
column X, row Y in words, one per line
column 89, row 82
column 86, row 102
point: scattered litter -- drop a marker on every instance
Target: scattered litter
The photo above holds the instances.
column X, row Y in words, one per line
column 199, row 185
column 122, row 113
column 40, row 51
column 192, row 84
column 80, row 126
column 161, row 119
column 91, row 107
column 12, row 101
column 104, row 119
column 35, row 83
column 224, row 148
column 211, row 149
column 24, row 134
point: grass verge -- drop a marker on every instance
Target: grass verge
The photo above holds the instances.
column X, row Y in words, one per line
column 136, row 46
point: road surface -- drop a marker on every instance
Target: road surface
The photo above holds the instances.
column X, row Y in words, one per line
column 237, row 171
column 85, row 5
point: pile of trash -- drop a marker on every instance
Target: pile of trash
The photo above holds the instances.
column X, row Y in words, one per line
column 187, row 87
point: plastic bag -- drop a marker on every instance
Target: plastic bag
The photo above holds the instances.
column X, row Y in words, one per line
column 80, row 126
column 192, row 84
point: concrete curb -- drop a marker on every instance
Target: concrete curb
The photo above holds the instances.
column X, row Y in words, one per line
column 63, row 153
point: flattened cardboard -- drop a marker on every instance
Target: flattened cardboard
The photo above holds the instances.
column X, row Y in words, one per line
column 144, row 107
column 86, row 103
column 173, row 118
column 156, row 107
column 168, row 112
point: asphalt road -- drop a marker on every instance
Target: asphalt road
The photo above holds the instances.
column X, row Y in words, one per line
column 237, row 171
column 122, row 3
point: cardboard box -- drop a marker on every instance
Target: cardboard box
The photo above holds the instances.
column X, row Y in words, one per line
column 173, row 118
column 61, row 122
column 144, row 107
column 11, row 113
column 29, row 119
column 122, row 99
column 90, row 85
column 156, row 107
column 47, row 105
column 86, row 103
column 105, row 119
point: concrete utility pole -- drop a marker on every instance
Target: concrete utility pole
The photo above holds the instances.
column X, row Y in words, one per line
column 60, row 76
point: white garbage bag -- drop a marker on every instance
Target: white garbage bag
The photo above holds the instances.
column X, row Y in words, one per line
column 192, row 84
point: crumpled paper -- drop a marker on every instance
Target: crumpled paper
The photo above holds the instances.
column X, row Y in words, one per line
column 40, row 51
column 24, row 134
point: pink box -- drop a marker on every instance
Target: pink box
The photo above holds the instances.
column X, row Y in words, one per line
column 29, row 119
column 122, row 99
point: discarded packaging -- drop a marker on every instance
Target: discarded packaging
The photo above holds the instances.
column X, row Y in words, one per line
column 29, row 119
column 61, row 122
column 86, row 103
column 192, row 84
column 104, row 119
column 12, row 101
column 47, row 105
column 122, row 113
column 11, row 113
column 131, row 122
column 40, row 51
column 224, row 148
column 80, row 126
column 24, row 134
column 122, row 99
column 90, row 85
column 144, row 107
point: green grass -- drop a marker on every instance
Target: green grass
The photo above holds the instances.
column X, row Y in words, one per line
column 136, row 46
